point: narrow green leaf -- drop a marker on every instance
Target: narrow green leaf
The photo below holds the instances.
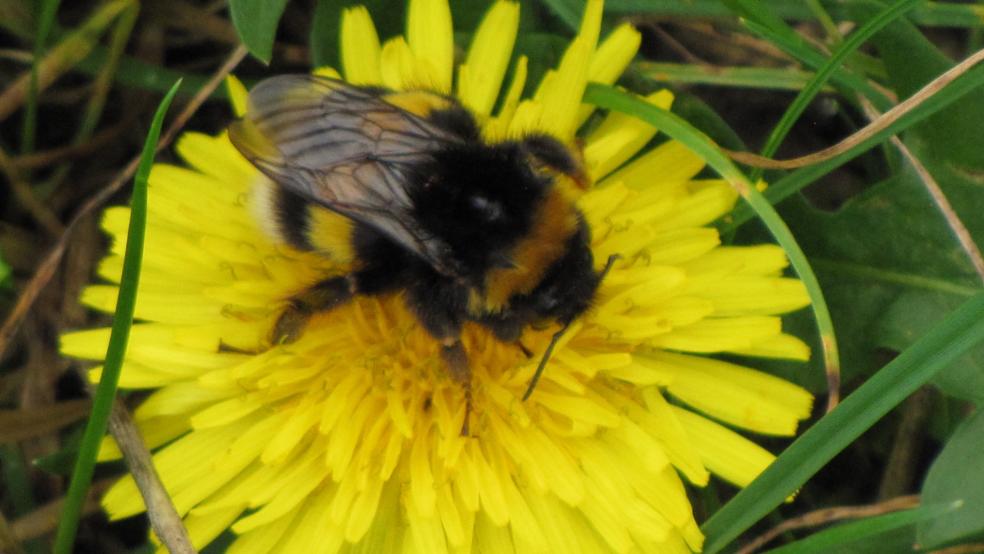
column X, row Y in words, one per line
column 955, row 476
column 256, row 22
column 739, row 77
column 45, row 20
column 809, row 92
column 796, row 46
column 677, row 128
column 946, row 342
column 122, row 320
column 865, row 535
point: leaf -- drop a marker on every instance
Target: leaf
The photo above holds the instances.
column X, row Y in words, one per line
column 256, row 23
column 955, row 476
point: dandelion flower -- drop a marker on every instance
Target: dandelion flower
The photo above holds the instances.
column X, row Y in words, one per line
column 348, row 439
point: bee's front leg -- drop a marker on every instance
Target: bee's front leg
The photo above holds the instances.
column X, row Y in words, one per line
column 321, row 297
column 456, row 360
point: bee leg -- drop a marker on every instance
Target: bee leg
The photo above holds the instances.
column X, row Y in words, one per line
column 456, row 359
column 522, row 348
column 322, row 297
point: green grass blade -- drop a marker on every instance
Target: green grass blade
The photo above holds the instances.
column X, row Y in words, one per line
column 672, row 125
column 841, row 537
column 45, row 20
column 944, row 344
column 795, row 181
column 809, row 92
column 115, row 352
column 738, row 77
column 791, row 43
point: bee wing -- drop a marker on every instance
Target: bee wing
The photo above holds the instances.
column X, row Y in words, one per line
column 344, row 148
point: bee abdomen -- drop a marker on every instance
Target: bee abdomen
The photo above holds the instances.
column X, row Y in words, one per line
column 284, row 215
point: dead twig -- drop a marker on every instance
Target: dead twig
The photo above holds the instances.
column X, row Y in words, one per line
column 873, row 128
column 828, row 515
column 27, row 423
column 163, row 516
column 25, row 196
column 49, row 265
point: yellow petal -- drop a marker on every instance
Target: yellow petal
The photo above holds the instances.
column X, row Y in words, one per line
column 237, row 95
column 740, row 396
column 619, row 137
column 610, row 59
column 431, row 39
column 360, row 47
column 725, row 453
column 398, row 68
column 480, row 77
column 780, row 346
column 497, row 128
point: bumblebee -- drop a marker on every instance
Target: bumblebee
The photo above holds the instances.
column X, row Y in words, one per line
column 467, row 230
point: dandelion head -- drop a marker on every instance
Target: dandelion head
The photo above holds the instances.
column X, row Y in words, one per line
column 349, row 437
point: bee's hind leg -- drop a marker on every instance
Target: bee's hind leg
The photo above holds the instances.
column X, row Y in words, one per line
column 456, row 360
column 321, row 297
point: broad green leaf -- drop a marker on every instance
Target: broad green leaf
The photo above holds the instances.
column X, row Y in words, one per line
column 893, row 532
column 256, row 23
column 891, row 269
column 955, row 476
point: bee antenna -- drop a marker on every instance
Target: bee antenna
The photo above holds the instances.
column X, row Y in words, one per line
column 544, row 360
column 560, row 333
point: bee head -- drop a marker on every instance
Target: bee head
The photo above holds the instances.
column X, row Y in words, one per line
column 569, row 285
